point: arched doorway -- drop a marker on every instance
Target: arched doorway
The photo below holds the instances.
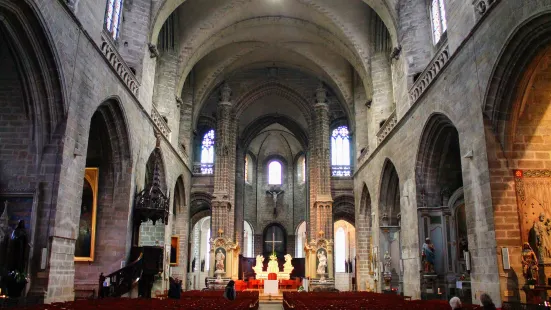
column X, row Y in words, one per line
column 441, row 209
column 389, row 225
column 274, row 240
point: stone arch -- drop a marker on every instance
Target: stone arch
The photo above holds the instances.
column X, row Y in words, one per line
column 179, row 200
column 109, row 151
column 508, row 81
column 200, row 202
column 253, row 129
column 438, row 170
column 265, row 232
column 389, row 196
column 272, row 88
column 343, row 209
column 31, row 84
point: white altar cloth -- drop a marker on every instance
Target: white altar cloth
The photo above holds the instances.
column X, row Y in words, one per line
column 271, row 287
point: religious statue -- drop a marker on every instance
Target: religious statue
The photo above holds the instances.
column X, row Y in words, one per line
column 322, row 262
column 529, row 263
column 428, row 255
column 288, row 266
column 387, row 261
column 259, row 264
column 543, row 239
column 220, row 260
column 273, row 265
column 18, row 247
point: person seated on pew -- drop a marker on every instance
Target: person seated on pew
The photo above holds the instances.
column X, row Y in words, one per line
column 175, row 288
column 229, row 292
column 487, row 303
column 455, row 303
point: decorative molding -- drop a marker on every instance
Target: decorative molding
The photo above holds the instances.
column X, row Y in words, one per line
column 431, row 72
column 117, row 63
column 387, row 127
column 482, row 7
column 521, row 174
column 159, row 121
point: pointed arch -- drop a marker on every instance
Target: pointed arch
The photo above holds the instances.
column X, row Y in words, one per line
column 28, row 41
column 108, row 150
column 507, row 82
column 389, row 195
column 155, row 160
column 438, row 166
column 363, row 231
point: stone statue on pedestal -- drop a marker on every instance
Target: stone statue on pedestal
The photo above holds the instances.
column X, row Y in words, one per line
column 428, row 256
column 529, row 263
column 542, row 231
column 322, row 262
column 288, row 266
column 220, row 260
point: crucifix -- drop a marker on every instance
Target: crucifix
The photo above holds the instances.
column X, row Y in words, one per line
column 273, row 242
column 275, row 193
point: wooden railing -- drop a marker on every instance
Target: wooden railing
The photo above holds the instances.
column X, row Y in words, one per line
column 122, row 280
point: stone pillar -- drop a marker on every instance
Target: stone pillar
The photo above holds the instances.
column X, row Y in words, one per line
column 223, row 207
column 186, row 110
column 239, row 198
column 383, row 99
column 321, row 219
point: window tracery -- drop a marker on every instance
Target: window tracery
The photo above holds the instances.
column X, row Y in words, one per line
column 438, row 16
column 113, row 17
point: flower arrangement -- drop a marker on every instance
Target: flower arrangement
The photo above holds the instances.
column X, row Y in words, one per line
column 19, row 277
column 300, row 289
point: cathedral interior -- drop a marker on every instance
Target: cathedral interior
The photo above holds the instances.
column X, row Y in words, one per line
column 385, row 145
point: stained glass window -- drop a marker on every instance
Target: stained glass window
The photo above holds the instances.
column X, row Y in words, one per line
column 340, row 152
column 207, row 149
column 113, row 17
column 438, row 16
column 274, row 173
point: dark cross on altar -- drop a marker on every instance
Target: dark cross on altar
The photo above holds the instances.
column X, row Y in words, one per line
column 275, row 193
column 273, row 242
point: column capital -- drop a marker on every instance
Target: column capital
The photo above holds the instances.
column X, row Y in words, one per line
column 321, row 94
column 225, row 93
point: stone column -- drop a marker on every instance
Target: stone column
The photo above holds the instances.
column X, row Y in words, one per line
column 383, row 98
column 322, row 219
column 186, row 110
column 323, row 200
column 224, row 168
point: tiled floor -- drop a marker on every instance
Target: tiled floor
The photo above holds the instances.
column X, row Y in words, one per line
column 270, row 307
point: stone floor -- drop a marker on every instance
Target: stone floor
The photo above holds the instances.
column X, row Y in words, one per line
column 270, row 306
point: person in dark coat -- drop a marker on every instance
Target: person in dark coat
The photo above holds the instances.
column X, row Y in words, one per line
column 174, row 289
column 229, row 292
column 487, row 303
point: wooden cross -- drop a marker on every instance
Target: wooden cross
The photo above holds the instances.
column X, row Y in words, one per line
column 273, row 242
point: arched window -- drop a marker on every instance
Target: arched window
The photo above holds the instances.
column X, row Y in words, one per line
column 207, row 153
column 301, row 169
column 301, row 239
column 340, row 250
column 438, row 16
column 248, row 239
column 274, row 173
column 340, row 151
column 248, row 169
column 113, row 17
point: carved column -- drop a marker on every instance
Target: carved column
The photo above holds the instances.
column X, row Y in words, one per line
column 224, row 167
column 321, row 219
column 324, row 201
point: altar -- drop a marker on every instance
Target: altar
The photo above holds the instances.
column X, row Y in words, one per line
column 273, row 268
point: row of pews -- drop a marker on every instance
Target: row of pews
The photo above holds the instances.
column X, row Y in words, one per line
column 360, row 300
column 200, row 300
